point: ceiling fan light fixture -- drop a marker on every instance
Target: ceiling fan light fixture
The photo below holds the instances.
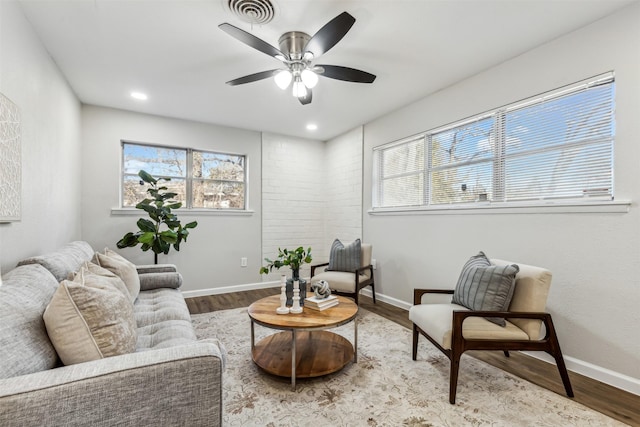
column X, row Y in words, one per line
column 299, row 89
column 309, row 78
column 283, row 79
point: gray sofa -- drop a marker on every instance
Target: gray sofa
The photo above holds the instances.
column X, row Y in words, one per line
column 171, row 379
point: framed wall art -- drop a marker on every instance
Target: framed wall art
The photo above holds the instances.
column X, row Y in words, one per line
column 10, row 161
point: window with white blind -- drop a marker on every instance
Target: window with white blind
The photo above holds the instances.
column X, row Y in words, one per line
column 556, row 146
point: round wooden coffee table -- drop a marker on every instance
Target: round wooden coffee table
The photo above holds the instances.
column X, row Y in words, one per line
column 305, row 348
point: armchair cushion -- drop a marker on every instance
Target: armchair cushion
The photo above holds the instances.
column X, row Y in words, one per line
column 485, row 287
column 436, row 321
column 340, row 281
column 345, row 258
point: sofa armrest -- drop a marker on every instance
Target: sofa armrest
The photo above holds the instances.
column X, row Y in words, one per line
column 150, row 281
column 162, row 387
column 156, row 268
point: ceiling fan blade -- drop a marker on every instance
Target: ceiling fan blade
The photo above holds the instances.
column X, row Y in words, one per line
column 347, row 74
column 251, row 40
column 330, row 34
column 252, row 77
column 306, row 99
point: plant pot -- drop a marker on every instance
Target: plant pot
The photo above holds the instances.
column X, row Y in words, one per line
column 289, row 290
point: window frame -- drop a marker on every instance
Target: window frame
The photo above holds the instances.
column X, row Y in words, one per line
column 499, row 180
column 188, row 178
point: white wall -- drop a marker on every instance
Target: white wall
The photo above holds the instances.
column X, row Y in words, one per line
column 210, row 259
column 343, row 217
column 50, row 125
column 293, row 198
column 594, row 257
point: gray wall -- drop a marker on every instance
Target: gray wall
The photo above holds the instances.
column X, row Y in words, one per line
column 210, row 259
column 594, row 257
column 51, row 148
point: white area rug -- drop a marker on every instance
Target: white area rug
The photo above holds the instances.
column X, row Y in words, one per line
column 385, row 387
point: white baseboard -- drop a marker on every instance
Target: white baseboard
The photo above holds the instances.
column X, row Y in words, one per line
column 598, row 373
column 389, row 300
column 229, row 289
column 604, row 375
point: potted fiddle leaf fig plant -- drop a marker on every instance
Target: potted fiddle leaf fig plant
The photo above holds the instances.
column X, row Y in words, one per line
column 293, row 259
column 163, row 229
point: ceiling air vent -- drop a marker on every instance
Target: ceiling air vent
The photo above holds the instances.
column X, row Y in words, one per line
column 257, row 12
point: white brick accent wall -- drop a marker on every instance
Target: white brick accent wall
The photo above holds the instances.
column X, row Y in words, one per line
column 293, row 197
column 311, row 194
column 343, row 189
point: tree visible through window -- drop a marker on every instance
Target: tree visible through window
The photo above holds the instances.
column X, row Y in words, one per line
column 558, row 146
column 202, row 179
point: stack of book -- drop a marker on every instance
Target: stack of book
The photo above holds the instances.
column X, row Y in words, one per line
column 320, row 304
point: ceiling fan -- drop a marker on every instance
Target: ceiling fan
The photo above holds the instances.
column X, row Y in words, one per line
column 297, row 52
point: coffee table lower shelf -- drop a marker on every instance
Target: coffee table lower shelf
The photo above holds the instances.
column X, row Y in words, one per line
column 317, row 353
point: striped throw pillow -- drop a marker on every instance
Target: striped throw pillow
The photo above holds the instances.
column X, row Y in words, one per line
column 486, row 287
column 345, row 258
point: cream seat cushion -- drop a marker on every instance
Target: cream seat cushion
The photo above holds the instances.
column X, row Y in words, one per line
column 340, row 281
column 122, row 268
column 89, row 318
column 437, row 321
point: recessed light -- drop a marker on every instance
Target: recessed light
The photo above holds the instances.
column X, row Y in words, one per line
column 312, row 126
column 139, row 95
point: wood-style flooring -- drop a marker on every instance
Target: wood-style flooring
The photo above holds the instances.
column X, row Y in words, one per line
column 615, row 403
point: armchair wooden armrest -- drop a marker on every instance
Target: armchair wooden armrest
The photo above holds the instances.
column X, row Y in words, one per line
column 418, row 293
column 313, row 268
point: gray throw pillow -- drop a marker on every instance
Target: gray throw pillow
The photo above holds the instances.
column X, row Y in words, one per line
column 345, row 258
column 486, row 287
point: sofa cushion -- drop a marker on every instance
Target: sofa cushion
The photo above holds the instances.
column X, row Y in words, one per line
column 63, row 261
column 25, row 347
column 345, row 258
column 486, row 287
column 163, row 319
column 122, row 267
column 89, row 319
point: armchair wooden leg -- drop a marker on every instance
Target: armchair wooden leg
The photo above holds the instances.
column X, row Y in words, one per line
column 453, row 380
column 506, row 353
column 373, row 292
column 557, row 355
column 415, row 341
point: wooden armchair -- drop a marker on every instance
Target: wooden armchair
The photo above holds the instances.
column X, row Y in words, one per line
column 348, row 283
column 454, row 329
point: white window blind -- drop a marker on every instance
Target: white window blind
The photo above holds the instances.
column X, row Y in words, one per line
column 561, row 147
column 556, row 146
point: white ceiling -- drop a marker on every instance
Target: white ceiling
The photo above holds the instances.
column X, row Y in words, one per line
column 175, row 52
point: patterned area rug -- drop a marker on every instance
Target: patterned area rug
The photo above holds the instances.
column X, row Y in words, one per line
column 385, row 387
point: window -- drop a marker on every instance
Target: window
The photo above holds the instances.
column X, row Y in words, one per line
column 558, row 146
column 201, row 179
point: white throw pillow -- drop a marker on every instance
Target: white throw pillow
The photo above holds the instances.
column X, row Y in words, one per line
column 122, row 268
column 89, row 318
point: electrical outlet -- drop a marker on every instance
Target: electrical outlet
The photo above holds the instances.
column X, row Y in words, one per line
column 374, row 264
column 243, row 262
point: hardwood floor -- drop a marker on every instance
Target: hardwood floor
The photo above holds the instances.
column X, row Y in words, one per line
column 613, row 402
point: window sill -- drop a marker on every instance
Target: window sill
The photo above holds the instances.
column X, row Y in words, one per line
column 185, row 212
column 511, row 208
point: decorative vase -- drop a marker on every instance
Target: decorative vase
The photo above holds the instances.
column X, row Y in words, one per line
column 289, row 287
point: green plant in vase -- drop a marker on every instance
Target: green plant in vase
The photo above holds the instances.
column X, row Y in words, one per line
column 163, row 230
column 293, row 259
